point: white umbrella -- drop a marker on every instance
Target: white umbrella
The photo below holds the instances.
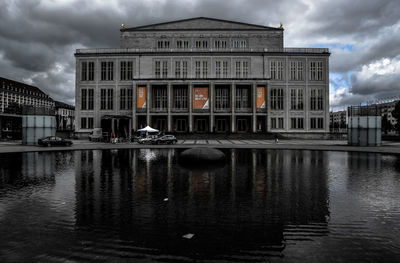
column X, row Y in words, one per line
column 147, row 129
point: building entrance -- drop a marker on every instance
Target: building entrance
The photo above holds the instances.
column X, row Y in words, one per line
column 201, row 124
column 222, row 124
column 160, row 123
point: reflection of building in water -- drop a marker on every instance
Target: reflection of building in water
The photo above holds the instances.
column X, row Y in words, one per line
column 245, row 204
column 26, row 169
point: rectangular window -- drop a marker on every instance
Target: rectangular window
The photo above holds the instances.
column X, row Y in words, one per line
column 87, row 71
column 238, row 68
column 277, row 123
column 296, row 99
column 91, row 71
column 110, row 99
column 245, row 69
column 158, row 69
column 126, row 99
column 84, row 123
column 296, row 70
column 220, row 44
column 222, row 98
column 241, row 69
column 165, row 69
column 296, row 123
column 182, row 44
column 218, row 69
column 177, row 69
column 122, row 97
column 276, row 68
column 90, row 99
column 205, row 69
column 84, row 71
column 84, row 99
column 225, row 69
column 239, row 43
column 181, row 125
column 130, row 98
column 316, row 70
column 159, row 98
column 126, row 70
column 197, row 69
column 180, row 98
column 201, row 69
column 162, row 44
column 107, row 70
column 201, row 44
column 242, row 98
column 184, row 69
column 161, row 68
column 276, row 99
column 106, row 99
column 317, row 123
column 317, row 99
column 90, row 123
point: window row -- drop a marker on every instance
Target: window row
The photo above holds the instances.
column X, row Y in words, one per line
column 107, row 70
column 296, row 70
column 222, row 98
column 201, row 69
column 297, row 99
column 297, row 123
column 202, row 43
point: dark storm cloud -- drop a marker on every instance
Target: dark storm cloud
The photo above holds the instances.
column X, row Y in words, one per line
column 37, row 37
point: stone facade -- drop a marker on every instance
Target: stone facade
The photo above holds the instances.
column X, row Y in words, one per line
column 202, row 75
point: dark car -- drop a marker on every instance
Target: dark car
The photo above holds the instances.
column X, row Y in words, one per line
column 54, row 141
column 166, row 139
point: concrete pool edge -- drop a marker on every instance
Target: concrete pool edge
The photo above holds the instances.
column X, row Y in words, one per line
column 316, row 146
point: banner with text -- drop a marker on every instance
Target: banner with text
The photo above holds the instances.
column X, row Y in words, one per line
column 260, row 97
column 200, row 98
column 141, row 97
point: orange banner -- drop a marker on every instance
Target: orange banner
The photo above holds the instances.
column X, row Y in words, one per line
column 260, row 97
column 141, row 97
column 200, row 98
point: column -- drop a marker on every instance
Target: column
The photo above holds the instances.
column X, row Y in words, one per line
column 211, row 97
column 190, row 107
column 254, row 102
column 233, row 97
column 169, row 105
column 148, row 98
column 134, row 106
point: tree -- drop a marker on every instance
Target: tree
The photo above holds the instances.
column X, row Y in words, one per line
column 386, row 124
column 396, row 115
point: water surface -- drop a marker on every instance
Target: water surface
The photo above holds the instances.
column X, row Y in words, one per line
column 263, row 205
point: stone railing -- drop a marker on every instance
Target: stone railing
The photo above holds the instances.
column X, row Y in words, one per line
column 182, row 50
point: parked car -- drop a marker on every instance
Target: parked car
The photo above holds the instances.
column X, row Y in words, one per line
column 54, row 141
column 166, row 139
column 145, row 140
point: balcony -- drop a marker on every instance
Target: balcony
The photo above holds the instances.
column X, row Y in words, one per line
column 159, row 110
column 243, row 110
column 179, row 110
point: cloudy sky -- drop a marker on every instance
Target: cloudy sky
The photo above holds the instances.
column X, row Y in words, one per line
column 38, row 37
